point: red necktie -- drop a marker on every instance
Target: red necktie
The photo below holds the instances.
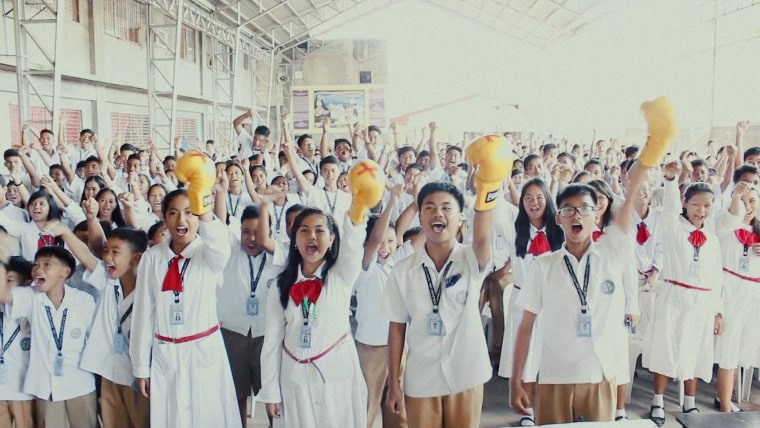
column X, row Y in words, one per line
column 539, row 245
column 747, row 237
column 309, row 289
column 45, row 240
column 697, row 238
column 595, row 235
column 643, row 233
column 173, row 279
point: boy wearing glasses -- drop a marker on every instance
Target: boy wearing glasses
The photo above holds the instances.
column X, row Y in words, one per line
column 587, row 301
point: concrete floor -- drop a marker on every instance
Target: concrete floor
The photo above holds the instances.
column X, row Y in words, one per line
column 497, row 413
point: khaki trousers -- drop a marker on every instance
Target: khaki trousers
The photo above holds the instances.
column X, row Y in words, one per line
column 557, row 404
column 374, row 363
column 461, row 410
column 81, row 412
column 19, row 412
column 123, row 407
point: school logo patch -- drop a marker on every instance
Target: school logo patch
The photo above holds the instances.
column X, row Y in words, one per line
column 608, row 287
column 76, row 333
column 461, row 297
column 26, row 343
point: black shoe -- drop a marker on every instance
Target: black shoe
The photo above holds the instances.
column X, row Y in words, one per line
column 659, row 421
column 621, row 418
column 716, row 403
column 692, row 410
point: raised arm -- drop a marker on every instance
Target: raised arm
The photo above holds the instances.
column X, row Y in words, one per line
column 96, row 237
column 434, row 161
column 263, row 230
column 77, row 247
column 741, row 129
column 290, row 153
column 221, row 187
column 381, row 227
column 34, row 177
column 324, row 144
column 238, row 121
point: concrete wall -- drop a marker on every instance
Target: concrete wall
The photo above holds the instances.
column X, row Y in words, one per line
column 340, row 61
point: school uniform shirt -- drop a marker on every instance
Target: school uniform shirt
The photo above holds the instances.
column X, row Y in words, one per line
column 307, row 391
column 113, row 313
column 457, row 360
column 40, row 378
column 14, row 348
column 191, row 382
column 15, row 213
column 237, row 203
column 240, row 273
column 279, row 219
column 567, row 358
column 404, row 201
column 649, row 254
column 28, row 234
column 503, row 238
column 335, row 203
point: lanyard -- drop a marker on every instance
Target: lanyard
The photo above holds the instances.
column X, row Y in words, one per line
column 582, row 293
column 57, row 338
column 237, row 203
column 278, row 218
column 306, row 308
column 181, row 277
column 255, row 279
column 435, row 295
column 5, row 346
column 334, row 201
column 123, row 317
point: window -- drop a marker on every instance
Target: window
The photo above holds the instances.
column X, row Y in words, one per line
column 246, row 62
column 124, row 19
column 187, row 130
column 187, row 48
column 41, row 119
column 130, row 128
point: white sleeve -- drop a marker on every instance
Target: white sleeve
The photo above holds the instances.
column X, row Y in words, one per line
column 216, row 244
column 271, row 351
column 143, row 319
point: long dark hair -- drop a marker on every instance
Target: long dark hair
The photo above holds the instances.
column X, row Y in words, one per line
column 54, row 212
column 97, row 179
column 604, row 188
column 554, row 233
column 692, row 190
column 116, row 216
column 288, row 276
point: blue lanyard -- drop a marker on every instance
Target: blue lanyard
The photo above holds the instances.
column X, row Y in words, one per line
column 255, row 279
column 5, row 346
column 57, row 338
column 181, row 279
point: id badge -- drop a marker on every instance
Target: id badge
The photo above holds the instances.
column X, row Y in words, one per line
column 3, row 373
column 119, row 343
column 435, row 325
column 744, row 264
column 252, row 306
column 583, row 329
column 176, row 313
column 629, row 324
column 305, row 340
column 694, row 270
column 58, row 365
column 499, row 241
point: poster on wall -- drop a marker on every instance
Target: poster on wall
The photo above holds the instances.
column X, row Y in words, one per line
column 341, row 104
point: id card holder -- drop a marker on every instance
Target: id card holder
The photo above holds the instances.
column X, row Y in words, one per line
column 583, row 328
column 694, row 269
column 58, row 365
column 744, row 264
column 3, row 373
column 252, row 306
column 305, row 340
column 629, row 324
column 435, row 325
column 176, row 313
column 119, row 343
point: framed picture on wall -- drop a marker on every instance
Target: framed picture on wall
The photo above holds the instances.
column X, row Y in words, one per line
column 341, row 104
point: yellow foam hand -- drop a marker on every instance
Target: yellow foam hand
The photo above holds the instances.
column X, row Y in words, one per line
column 661, row 127
column 366, row 182
column 493, row 156
column 197, row 169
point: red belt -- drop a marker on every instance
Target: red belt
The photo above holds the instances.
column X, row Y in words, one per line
column 738, row 275
column 517, row 286
column 190, row 338
column 692, row 287
column 318, row 356
column 646, row 273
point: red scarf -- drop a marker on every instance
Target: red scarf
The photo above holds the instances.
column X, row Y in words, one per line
column 539, row 245
column 642, row 235
column 747, row 237
column 697, row 238
column 173, row 279
column 308, row 288
column 595, row 235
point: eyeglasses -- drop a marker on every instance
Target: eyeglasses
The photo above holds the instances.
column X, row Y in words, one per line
column 583, row 210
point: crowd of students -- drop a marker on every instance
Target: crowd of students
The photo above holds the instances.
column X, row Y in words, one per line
column 145, row 290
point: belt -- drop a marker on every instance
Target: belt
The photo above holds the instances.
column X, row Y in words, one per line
column 190, row 338
column 318, row 356
column 738, row 275
column 691, row 287
column 646, row 273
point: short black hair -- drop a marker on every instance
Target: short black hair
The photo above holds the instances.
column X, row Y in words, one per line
column 46, row 131
column 328, row 160
column 92, row 159
column 423, row 153
column 530, row 157
column 454, row 147
column 63, row 255
column 209, row 141
column 251, row 211
column 548, row 147
column 301, row 139
column 154, row 229
column 698, row 162
column 261, row 130
column 374, row 128
column 440, row 186
column 575, row 189
column 295, row 208
column 21, row 266
column 412, row 231
column 11, row 153
column 342, row 141
column 745, row 169
column 567, row 155
column 86, row 131
column 752, row 151
column 631, row 150
column 405, row 149
column 127, row 146
column 133, row 156
column 594, row 161
column 136, row 238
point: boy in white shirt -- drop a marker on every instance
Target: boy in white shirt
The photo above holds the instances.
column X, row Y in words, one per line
column 61, row 317
column 107, row 351
column 15, row 406
column 447, row 362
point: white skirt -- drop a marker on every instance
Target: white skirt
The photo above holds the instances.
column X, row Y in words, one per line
column 739, row 344
column 680, row 338
column 512, row 322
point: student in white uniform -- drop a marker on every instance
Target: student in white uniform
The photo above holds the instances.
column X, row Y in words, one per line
column 107, row 350
column 177, row 351
column 689, row 306
column 279, row 207
column 447, row 361
column 738, row 229
column 237, row 196
column 308, row 361
column 60, row 317
column 535, row 232
column 16, row 407
column 251, row 271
